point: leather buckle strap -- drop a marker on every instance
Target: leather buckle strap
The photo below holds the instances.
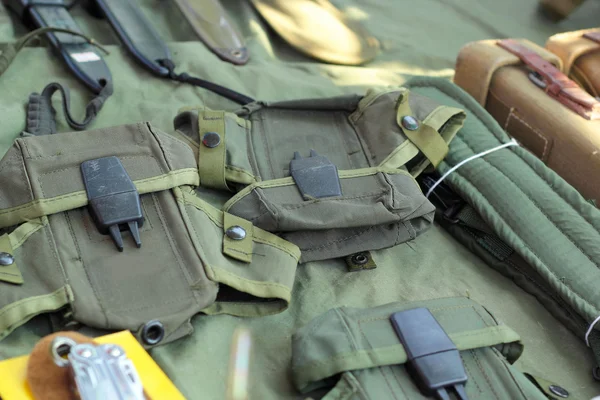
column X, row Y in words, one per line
column 554, row 82
column 593, row 36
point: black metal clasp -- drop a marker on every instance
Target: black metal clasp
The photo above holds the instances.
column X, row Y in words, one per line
column 315, row 176
column 433, row 359
column 114, row 201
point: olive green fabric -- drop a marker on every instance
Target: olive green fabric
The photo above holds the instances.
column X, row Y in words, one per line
column 362, row 345
column 524, row 199
column 184, row 257
column 421, row 39
column 378, row 208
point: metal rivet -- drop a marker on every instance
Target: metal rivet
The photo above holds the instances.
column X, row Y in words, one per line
column 409, row 122
column 558, row 391
column 211, row 139
column 115, row 352
column 153, row 332
column 360, row 259
column 236, row 233
column 6, row 259
column 85, row 353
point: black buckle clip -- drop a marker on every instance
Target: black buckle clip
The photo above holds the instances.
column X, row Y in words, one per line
column 444, row 198
column 315, row 176
column 114, row 201
column 433, row 358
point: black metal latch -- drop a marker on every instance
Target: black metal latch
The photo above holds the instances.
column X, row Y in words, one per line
column 433, row 359
column 315, row 176
column 114, row 201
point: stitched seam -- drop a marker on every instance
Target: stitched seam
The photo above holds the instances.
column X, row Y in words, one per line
column 52, row 243
column 534, row 203
column 337, row 116
column 339, row 240
column 266, row 146
column 39, row 179
column 165, row 153
column 470, row 374
column 184, row 273
column 536, row 131
column 381, row 370
column 505, row 365
column 487, row 378
column 548, row 270
column 12, row 306
column 250, row 150
column 85, row 269
column 339, row 199
column 253, row 282
column 240, row 170
column 82, row 193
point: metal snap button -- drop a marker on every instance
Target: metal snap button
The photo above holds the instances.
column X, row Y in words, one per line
column 153, row 332
column 211, row 139
column 558, row 391
column 409, row 122
column 360, row 259
column 235, row 232
column 6, row 259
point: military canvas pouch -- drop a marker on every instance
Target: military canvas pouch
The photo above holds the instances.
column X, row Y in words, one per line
column 189, row 262
column 357, row 354
column 378, row 143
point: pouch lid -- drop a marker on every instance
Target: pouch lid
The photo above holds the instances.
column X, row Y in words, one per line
column 478, row 61
column 41, row 175
column 569, row 46
column 345, row 339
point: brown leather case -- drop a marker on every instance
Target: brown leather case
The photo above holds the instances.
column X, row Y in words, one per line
column 553, row 118
column 580, row 55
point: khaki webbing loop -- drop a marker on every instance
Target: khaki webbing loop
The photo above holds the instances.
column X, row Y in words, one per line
column 211, row 161
column 240, row 249
column 16, row 314
column 9, row 273
column 426, row 138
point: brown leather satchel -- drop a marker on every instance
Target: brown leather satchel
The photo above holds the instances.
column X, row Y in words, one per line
column 580, row 55
column 523, row 88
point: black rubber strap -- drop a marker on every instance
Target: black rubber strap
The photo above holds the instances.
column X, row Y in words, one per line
column 40, row 113
column 213, row 87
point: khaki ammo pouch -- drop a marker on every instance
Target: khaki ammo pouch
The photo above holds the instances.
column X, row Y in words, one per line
column 333, row 176
column 359, row 354
column 55, row 257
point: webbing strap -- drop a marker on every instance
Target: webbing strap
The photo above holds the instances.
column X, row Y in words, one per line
column 240, row 246
column 213, row 87
column 212, row 158
column 16, row 314
column 426, row 138
column 40, row 113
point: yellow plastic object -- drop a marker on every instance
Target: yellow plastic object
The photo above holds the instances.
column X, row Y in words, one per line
column 157, row 385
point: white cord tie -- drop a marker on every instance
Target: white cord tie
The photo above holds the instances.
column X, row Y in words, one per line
column 513, row 142
column 587, row 334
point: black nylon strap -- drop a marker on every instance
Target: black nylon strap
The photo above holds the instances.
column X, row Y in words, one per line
column 594, row 341
column 213, row 87
column 40, row 113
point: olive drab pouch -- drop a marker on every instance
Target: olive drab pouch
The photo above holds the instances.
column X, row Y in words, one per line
column 193, row 257
column 355, row 353
column 334, row 176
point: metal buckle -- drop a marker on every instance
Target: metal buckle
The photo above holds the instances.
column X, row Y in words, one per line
column 433, row 358
column 315, row 176
column 114, row 201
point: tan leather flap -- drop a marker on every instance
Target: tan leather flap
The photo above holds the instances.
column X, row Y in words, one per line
column 569, row 46
column 478, row 61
